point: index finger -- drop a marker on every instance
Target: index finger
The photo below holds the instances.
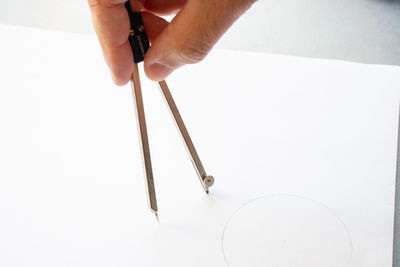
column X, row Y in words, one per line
column 111, row 24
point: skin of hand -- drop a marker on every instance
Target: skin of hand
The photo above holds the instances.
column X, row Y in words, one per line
column 189, row 37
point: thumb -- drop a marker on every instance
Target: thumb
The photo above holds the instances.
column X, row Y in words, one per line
column 191, row 35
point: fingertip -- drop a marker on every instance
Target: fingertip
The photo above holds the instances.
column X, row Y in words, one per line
column 119, row 82
column 120, row 79
column 157, row 71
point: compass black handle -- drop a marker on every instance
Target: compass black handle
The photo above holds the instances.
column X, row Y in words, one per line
column 137, row 35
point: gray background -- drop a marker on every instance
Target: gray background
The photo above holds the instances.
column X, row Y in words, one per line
column 365, row 31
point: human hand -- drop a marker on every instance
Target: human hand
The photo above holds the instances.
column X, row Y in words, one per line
column 186, row 40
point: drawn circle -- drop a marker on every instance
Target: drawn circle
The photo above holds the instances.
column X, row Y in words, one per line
column 283, row 231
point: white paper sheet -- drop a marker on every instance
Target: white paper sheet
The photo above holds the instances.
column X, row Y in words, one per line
column 309, row 145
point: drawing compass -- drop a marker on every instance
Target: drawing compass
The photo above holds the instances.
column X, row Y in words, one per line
column 140, row 44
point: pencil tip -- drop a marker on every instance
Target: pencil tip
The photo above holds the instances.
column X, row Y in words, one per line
column 158, row 220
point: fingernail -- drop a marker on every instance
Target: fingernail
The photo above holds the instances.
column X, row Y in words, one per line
column 158, row 71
